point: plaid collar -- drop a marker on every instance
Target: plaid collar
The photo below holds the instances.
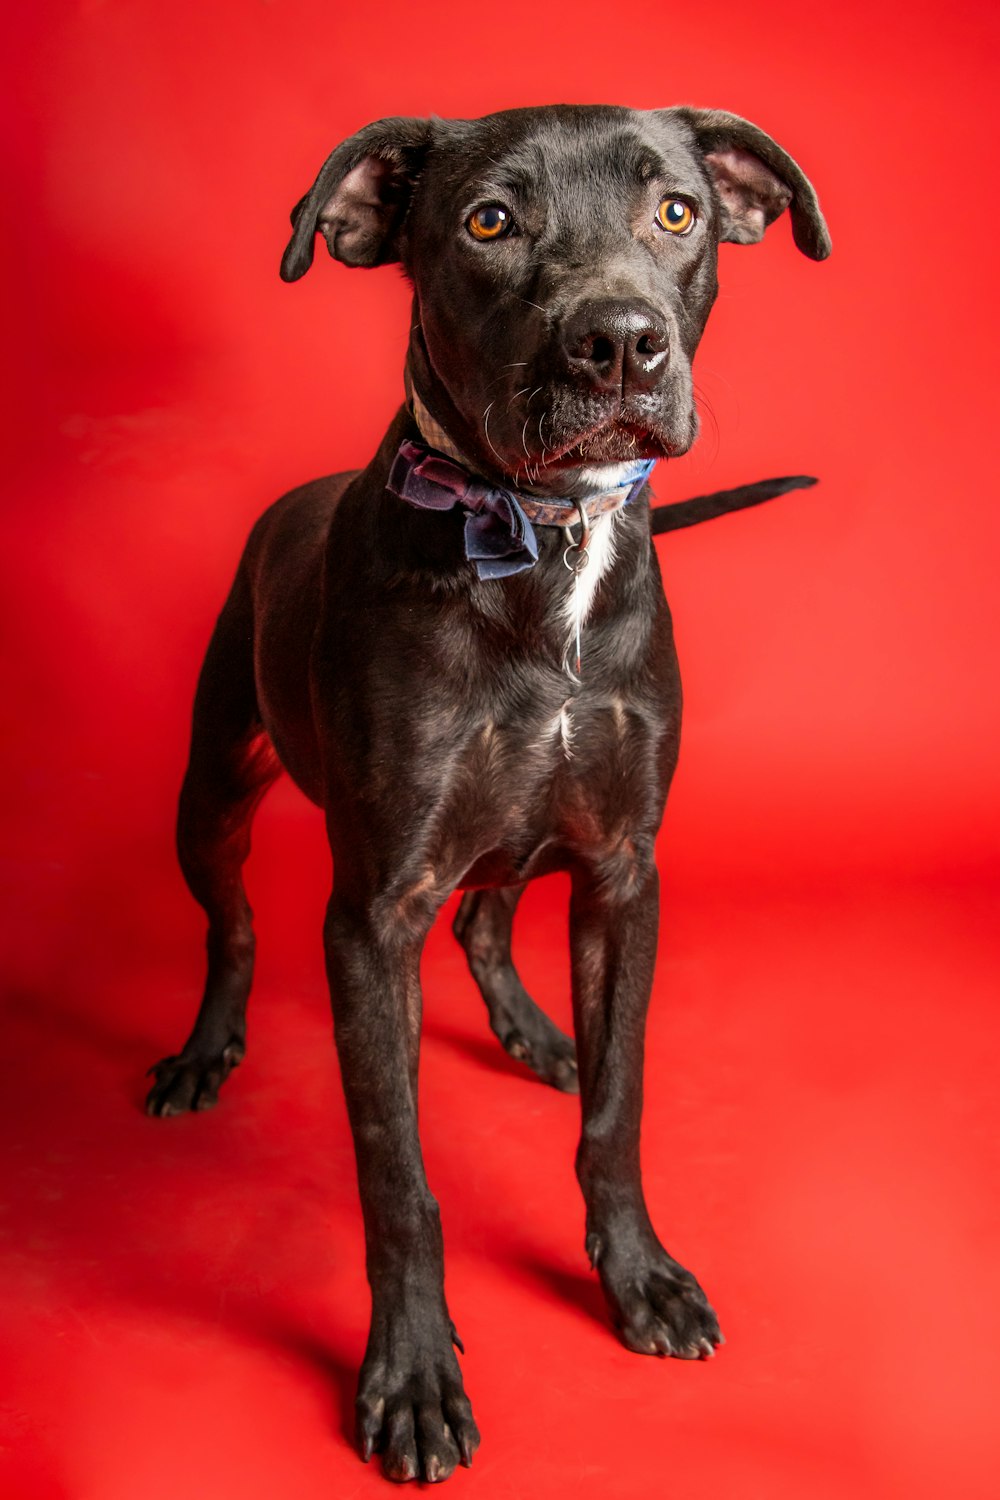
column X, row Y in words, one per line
column 499, row 525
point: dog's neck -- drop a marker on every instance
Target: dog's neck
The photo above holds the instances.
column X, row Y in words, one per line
column 598, row 496
column 500, row 521
column 430, row 428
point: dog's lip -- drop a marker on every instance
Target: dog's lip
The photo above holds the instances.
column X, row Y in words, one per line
column 647, row 444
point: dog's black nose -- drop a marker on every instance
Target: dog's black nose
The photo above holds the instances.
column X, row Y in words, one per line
column 617, row 345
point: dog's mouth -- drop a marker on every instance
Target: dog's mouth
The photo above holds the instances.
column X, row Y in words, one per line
column 615, row 442
column 620, row 437
column 560, row 428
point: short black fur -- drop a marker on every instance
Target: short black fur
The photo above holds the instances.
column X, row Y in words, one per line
column 431, row 715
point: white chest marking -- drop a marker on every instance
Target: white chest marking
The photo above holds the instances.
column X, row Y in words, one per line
column 558, row 730
column 580, row 593
column 580, row 590
column 566, row 730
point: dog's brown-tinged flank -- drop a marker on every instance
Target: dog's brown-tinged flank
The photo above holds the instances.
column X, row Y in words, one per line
column 563, row 263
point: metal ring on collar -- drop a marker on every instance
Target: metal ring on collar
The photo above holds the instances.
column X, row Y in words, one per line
column 581, row 556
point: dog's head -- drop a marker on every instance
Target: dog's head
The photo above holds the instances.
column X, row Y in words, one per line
column 564, row 265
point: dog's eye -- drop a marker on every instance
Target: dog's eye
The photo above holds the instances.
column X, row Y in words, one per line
column 676, row 215
column 490, row 222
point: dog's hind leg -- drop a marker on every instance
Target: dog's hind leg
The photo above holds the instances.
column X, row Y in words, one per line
column 483, row 927
column 231, row 766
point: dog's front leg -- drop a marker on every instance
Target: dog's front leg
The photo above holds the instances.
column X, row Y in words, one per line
column 411, row 1403
column 657, row 1306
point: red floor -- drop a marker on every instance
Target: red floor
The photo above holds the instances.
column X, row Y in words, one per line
column 185, row 1304
column 182, row 1302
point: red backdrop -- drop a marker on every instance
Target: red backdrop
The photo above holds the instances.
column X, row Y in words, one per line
column 186, row 1304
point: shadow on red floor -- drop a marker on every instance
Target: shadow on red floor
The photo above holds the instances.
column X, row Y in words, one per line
column 185, row 1305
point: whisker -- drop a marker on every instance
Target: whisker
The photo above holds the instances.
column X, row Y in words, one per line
column 524, row 429
column 502, row 376
column 495, row 381
column 704, row 405
column 486, row 428
column 705, row 371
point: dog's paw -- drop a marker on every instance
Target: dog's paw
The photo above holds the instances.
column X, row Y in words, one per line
column 545, row 1049
column 191, row 1083
column 659, row 1308
column 413, row 1412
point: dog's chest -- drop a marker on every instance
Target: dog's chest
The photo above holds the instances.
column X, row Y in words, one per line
column 551, row 759
column 538, row 792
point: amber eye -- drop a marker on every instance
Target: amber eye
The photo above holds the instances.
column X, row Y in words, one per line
column 489, row 223
column 676, row 215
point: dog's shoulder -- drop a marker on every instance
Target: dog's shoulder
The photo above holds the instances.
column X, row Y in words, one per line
column 299, row 520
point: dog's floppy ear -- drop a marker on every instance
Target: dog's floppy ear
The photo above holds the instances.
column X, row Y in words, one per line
column 755, row 181
column 360, row 197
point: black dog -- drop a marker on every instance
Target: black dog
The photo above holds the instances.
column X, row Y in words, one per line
column 421, row 646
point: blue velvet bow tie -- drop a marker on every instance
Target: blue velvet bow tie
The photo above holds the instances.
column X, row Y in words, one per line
column 499, row 535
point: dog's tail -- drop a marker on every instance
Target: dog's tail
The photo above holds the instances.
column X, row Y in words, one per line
column 723, row 502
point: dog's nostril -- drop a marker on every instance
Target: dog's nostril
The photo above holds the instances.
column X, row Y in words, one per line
column 617, row 344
